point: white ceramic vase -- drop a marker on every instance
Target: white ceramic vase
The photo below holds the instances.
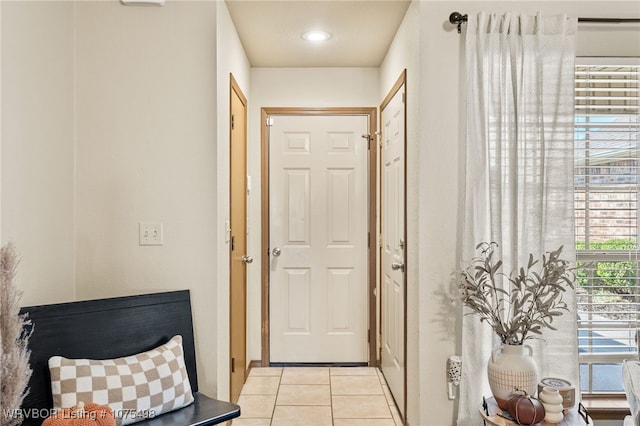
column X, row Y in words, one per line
column 552, row 402
column 511, row 367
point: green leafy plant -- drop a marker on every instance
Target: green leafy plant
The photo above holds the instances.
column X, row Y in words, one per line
column 519, row 305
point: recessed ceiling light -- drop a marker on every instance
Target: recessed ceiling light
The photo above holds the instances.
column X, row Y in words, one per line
column 316, row 36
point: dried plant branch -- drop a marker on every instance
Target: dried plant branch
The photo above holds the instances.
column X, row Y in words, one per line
column 14, row 354
column 530, row 299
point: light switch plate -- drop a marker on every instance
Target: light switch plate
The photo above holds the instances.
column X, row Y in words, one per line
column 150, row 234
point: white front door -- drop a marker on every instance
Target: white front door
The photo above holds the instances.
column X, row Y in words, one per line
column 393, row 246
column 318, row 239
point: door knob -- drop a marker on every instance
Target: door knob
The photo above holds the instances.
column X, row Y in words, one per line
column 247, row 259
column 395, row 266
column 276, row 252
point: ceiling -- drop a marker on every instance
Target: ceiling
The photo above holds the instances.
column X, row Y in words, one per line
column 362, row 30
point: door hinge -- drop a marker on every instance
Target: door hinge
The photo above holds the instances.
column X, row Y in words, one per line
column 368, row 239
column 368, row 336
column 403, row 97
column 269, row 121
column 233, row 365
column 380, row 241
column 233, row 121
column 233, row 243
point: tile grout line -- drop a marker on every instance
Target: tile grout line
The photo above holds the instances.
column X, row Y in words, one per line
column 391, row 403
column 333, row 422
column 275, row 402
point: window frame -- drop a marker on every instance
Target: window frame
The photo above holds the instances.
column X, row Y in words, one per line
column 610, row 255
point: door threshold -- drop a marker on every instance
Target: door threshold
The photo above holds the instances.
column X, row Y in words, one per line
column 318, row 364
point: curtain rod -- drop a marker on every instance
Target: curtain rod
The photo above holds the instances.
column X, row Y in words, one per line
column 458, row 19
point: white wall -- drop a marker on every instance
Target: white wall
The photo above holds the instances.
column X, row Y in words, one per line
column 292, row 87
column 145, row 91
column 147, row 151
column 38, row 146
column 231, row 59
column 404, row 53
column 434, row 182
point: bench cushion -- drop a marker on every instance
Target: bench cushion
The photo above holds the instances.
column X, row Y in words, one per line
column 135, row 387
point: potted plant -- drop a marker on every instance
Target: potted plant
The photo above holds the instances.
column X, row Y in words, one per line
column 14, row 353
column 518, row 306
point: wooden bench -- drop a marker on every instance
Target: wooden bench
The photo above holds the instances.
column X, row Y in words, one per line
column 112, row 328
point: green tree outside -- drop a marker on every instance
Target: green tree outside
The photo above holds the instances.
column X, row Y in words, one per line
column 610, row 277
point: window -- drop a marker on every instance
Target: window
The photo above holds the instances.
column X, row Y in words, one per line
column 607, row 186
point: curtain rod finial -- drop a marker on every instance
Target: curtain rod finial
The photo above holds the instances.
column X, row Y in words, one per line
column 457, row 18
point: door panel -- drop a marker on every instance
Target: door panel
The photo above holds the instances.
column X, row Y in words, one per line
column 318, row 202
column 238, row 243
column 393, row 247
column 297, row 211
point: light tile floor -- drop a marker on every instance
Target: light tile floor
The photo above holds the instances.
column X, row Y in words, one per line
column 316, row 396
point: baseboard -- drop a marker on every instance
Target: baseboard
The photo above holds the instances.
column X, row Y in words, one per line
column 253, row 364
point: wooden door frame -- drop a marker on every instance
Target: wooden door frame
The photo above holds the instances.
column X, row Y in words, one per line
column 371, row 112
column 234, row 87
column 400, row 82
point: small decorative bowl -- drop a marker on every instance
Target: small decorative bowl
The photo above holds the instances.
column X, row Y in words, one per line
column 566, row 389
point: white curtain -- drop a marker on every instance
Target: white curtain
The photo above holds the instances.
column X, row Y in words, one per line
column 519, row 173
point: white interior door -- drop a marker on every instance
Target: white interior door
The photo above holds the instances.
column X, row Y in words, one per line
column 393, row 247
column 318, row 239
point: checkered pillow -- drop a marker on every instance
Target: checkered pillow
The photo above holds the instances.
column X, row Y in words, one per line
column 135, row 387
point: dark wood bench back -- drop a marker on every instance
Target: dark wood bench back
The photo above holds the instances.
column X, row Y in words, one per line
column 104, row 329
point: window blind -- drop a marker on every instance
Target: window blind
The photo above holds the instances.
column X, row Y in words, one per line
column 607, row 124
